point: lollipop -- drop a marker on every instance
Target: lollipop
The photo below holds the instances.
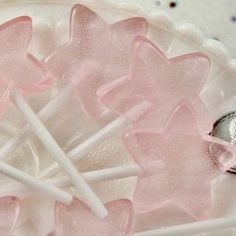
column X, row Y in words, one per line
column 93, row 41
column 161, row 81
column 22, row 75
column 77, row 219
column 188, row 156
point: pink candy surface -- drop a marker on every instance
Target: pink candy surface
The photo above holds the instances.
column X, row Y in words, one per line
column 77, row 219
column 162, row 81
column 189, row 168
column 19, row 70
column 104, row 48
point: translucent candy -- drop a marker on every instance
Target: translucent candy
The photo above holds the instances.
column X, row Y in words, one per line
column 9, row 213
column 77, row 219
column 164, row 82
column 104, row 49
column 189, row 166
column 19, row 69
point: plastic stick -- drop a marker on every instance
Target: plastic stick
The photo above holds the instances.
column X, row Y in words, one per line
column 59, row 156
column 26, row 132
column 192, row 228
column 91, row 177
column 35, row 183
column 92, row 142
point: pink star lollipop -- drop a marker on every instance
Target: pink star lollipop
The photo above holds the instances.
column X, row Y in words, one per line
column 77, row 219
column 94, row 42
column 189, row 165
column 9, row 213
column 22, row 74
column 161, row 81
column 19, row 70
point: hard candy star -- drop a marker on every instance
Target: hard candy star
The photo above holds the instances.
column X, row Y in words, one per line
column 77, row 219
column 162, row 81
column 93, row 42
column 190, row 165
column 19, row 69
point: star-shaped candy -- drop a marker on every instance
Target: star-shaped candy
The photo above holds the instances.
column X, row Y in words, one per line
column 190, row 164
column 18, row 69
column 9, row 213
column 93, row 43
column 77, row 219
column 162, row 81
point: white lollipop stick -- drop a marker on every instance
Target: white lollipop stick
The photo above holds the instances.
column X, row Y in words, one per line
column 36, row 184
column 84, row 148
column 91, row 177
column 46, row 112
column 192, row 228
column 57, row 153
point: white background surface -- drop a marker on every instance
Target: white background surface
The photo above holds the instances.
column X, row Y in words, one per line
column 216, row 18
